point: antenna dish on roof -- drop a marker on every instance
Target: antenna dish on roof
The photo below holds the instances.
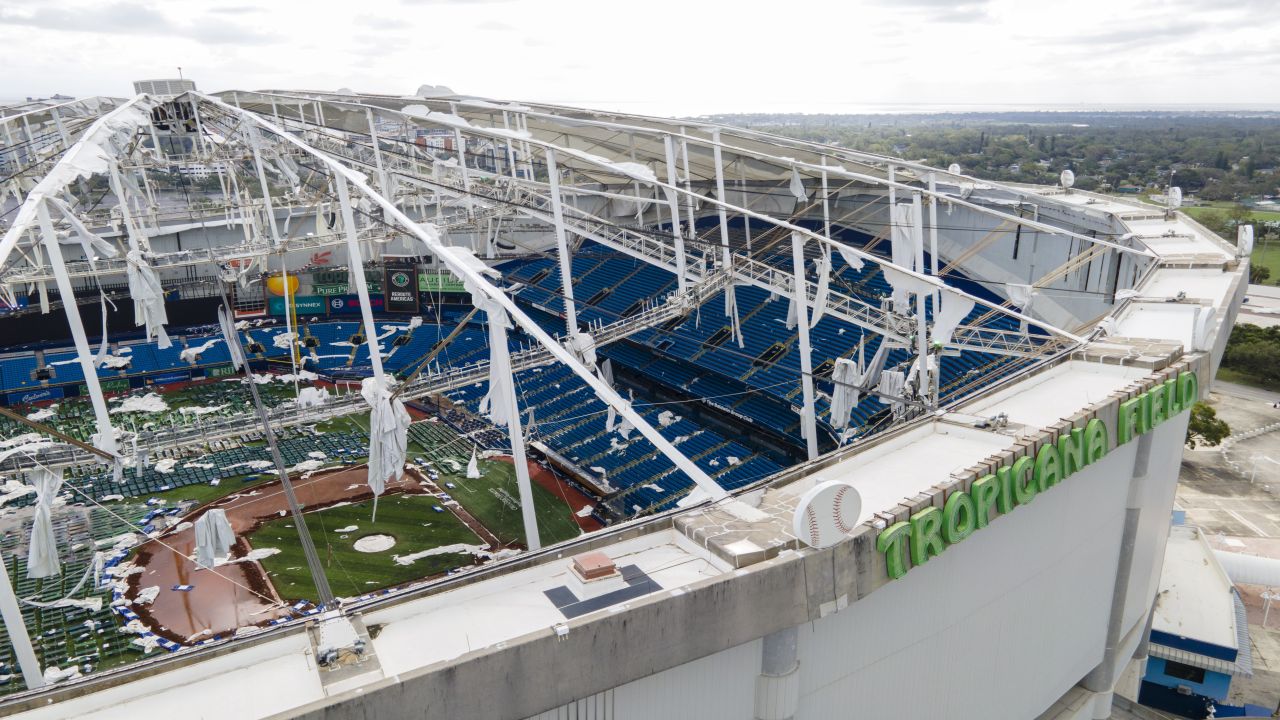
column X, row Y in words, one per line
column 954, row 168
column 1067, row 179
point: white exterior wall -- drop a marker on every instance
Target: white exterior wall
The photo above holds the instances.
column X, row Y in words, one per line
column 1000, row 626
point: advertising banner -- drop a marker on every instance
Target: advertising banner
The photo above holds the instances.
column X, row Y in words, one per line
column 220, row 371
column 350, row 304
column 435, row 282
column 401, row 285
column 168, row 378
column 302, row 304
column 35, row 395
column 108, row 386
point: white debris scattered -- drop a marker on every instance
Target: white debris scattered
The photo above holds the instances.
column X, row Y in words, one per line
column 146, row 595
column 251, row 464
column 307, row 466
column 732, row 460
column 456, row 548
column 349, row 528
column 115, row 362
column 254, row 555
column 284, row 340
column 22, row 439
column 585, row 511
column 317, row 455
column 204, row 465
column 192, row 353
column 309, row 397
column 53, row 675
column 93, row 604
column 207, row 410
column 109, row 498
column 14, row 489
column 666, row 418
column 149, row 403
column 43, row 414
column 165, row 465
column 654, row 487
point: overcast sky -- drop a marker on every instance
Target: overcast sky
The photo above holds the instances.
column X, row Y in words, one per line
column 665, row 56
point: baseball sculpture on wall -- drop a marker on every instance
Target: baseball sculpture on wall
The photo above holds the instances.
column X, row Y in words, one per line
column 827, row 514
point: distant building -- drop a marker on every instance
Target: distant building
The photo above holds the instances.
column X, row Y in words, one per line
column 201, row 171
column 163, row 87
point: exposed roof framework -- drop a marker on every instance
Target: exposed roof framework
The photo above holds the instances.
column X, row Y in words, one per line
column 671, row 171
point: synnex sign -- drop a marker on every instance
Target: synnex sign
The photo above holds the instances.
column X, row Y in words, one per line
column 931, row 530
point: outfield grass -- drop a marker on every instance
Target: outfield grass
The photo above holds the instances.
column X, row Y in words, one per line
column 494, row 500
column 408, row 518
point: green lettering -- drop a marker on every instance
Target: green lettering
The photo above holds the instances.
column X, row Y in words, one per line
column 1159, row 405
column 1048, row 470
column 958, row 517
column 984, row 490
column 1128, row 427
column 1006, row 500
column 1144, row 413
column 892, row 542
column 1071, row 452
column 1188, row 389
column 1095, row 436
column 1171, row 397
column 926, row 535
column 1024, row 481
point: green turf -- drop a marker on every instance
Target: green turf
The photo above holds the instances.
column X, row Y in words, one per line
column 408, row 518
column 203, row 493
column 494, row 500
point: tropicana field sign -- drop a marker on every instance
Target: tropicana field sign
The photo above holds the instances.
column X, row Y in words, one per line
column 931, row 530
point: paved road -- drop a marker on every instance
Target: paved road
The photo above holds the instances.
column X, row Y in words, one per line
column 1245, row 392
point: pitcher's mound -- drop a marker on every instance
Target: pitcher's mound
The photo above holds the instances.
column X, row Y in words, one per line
column 374, row 543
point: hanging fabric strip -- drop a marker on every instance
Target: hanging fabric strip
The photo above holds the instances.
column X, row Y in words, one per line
column 850, row 258
column 93, row 246
column 1022, row 296
column 214, row 537
column 473, row 466
column 904, row 285
column 42, row 553
column 955, row 307
column 148, row 298
column 105, row 348
column 823, row 292
column 228, row 331
column 731, row 310
column 388, row 433
column 892, row 383
column 847, row 379
column 871, row 375
column 797, row 186
column 902, row 236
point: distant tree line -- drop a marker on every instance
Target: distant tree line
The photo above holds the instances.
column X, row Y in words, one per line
column 1254, row 351
column 1216, row 156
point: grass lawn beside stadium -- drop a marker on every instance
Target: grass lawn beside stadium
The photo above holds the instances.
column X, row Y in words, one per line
column 494, row 500
column 409, row 519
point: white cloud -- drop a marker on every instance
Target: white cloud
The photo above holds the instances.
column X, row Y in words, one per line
column 665, row 56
